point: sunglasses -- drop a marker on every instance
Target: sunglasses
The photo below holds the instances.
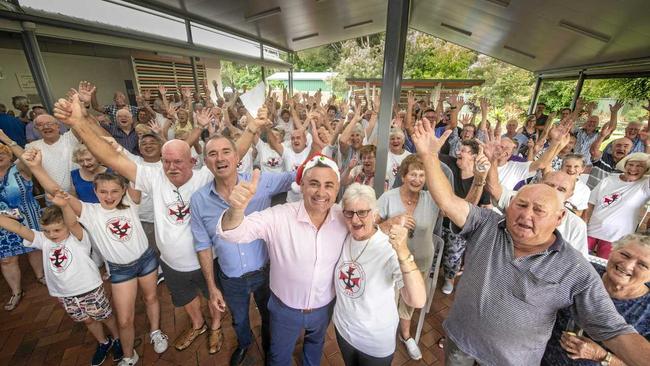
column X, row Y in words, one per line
column 361, row 213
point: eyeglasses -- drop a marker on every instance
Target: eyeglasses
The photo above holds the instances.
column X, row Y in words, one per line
column 179, row 197
column 361, row 213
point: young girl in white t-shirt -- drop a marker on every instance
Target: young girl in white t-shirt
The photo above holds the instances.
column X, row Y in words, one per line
column 115, row 227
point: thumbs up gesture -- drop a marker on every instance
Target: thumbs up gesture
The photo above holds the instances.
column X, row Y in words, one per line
column 243, row 192
column 398, row 236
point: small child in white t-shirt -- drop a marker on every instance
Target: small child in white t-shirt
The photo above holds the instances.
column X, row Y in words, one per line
column 71, row 275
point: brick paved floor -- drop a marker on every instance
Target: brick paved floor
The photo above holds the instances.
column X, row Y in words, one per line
column 38, row 332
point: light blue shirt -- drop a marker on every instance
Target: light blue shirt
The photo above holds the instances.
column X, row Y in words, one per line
column 207, row 206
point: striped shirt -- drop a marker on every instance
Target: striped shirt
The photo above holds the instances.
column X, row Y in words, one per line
column 505, row 306
column 602, row 168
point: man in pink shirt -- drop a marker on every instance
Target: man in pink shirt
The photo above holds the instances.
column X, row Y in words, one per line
column 304, row 241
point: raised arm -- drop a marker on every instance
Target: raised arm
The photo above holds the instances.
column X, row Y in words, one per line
column 61, row 199
column 481, row 168
column 33, row 159
column 408, row 121
column 239, row 198
column 414, row 292
column 594, row 149
column 428, row 147
column 70, row 113
column 613, row 114
column 17, row 228
column 253, row 127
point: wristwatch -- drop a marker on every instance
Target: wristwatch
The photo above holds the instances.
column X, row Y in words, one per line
column 607, row 359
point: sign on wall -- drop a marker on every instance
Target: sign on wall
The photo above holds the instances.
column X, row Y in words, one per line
column 26, row 82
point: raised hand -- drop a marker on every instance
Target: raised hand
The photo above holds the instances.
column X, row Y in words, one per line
column 485, row 105
column 163, row 91
column 243, row 192
column 69, row 112
column 33, row 158
column 481, row 164
column 616, row 106
column 398, row 236
column 465, row 118
column 425, row 140
column 60, row 198
column 410, row 98
column 186, row 92
column 606, row 130
column 155, row 127
column 203, row 117
column 86, row 91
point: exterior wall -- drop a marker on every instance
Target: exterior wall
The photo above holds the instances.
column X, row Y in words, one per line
column 309, row 85
column 65, row 71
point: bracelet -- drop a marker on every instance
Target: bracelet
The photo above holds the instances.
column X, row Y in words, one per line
column 409, row 258
column 409, row 271
column 250, row 130
column 478, row 184
column 12, row 143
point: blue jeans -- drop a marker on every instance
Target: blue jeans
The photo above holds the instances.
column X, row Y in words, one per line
column 236, row 292
column 140, row 267
column 287, row 325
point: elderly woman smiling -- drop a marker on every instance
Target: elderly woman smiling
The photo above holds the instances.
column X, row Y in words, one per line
column 626, row 279
column 371, row 266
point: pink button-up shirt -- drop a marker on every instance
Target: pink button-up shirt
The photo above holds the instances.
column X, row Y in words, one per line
column 302, row 257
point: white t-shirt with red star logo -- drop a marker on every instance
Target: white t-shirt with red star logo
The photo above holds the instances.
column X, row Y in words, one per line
column 69, row 270
column 365, row 313
column 171, row 206
column 118, row 234
column 270, row 160
column 616, row 207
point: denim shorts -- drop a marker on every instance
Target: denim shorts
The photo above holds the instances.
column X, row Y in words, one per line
column 141, row 267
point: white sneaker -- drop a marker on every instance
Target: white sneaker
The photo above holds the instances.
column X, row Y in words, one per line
column 129, row 361
column 159, row 341
column 448, row 287
column 412, row 348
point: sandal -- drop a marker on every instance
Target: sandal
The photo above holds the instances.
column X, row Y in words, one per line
column 441, row 342
column 14, row 300
column 41, row 280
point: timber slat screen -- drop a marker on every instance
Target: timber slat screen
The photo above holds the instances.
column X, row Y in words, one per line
column 171, row 74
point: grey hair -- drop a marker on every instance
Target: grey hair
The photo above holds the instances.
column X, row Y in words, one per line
column 79, row 150
column 396, row 132
column 357, row 191
column 640, row 239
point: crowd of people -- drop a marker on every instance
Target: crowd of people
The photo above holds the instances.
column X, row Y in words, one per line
column 195, row 192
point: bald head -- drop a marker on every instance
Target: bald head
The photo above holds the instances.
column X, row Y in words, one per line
column 176, row 147
column 532, row 216
column 561, row 182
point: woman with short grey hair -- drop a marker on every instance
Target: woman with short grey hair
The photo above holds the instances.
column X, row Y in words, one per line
column 626, row 279
column 372, row 265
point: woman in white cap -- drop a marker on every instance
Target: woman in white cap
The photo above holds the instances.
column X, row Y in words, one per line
column 615, row 203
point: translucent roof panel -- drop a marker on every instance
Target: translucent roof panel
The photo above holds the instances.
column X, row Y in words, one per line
column 115, row 13
column 213, row 38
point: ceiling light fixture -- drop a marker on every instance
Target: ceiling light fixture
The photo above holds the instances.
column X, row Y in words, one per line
column 263, row 14
column 456, row 29
column 584, row 31
column 369, row 21
column 519, row 51
column 311, row 35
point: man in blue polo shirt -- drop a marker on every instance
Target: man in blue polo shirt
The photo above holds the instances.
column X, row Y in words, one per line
column 241, row 269
column 12, row 126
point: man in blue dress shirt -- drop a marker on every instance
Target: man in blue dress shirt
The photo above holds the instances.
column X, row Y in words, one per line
column 241, row 269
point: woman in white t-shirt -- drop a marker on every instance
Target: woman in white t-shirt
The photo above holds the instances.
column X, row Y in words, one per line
column 116, row 230
column 371, row 267
column 270, row 161
column 615, row 204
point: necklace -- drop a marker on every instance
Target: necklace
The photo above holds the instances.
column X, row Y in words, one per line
column 354, row 260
